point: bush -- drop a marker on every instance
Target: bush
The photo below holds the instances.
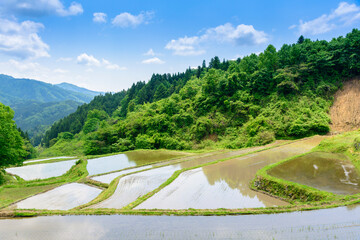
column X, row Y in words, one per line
column 144, row 142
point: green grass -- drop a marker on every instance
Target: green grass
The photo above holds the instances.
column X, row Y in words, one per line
column 303, row 198
column 15, row 191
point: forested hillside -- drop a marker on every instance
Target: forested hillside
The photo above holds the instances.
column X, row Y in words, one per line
column 159, row 87
column 36, row 117
column 232, row 104
column 38, row 105
column 15, row 90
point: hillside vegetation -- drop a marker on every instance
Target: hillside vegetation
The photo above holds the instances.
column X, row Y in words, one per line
column 38, row 105
column 230, row 104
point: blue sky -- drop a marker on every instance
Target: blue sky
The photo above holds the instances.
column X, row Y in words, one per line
column 108, row 45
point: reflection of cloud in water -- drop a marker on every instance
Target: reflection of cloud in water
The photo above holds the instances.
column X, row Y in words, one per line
column 61, row 198
column 225, row 184
column 42, row 171
column 56, row 227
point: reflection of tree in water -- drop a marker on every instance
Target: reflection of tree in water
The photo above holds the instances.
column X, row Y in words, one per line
column 149, row 156
column 325, row 171
column 237, row 173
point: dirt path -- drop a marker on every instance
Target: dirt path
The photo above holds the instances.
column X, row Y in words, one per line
column 345, row 112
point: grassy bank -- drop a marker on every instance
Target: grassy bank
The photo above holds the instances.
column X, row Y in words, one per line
column 301, row 197
column 298, row 193
column 20, row 189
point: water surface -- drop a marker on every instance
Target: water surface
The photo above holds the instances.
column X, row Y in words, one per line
column 46, row 159
column 225, row 184
column 133, row 186
column 325, row 171
column 336, row 223
column 42, row 171
column 126, row 160
column 61, row 198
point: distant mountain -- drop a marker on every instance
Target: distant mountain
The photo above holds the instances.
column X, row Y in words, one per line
column 74, row 88
column 38, row 105
column 36, row 117
column 16, row 90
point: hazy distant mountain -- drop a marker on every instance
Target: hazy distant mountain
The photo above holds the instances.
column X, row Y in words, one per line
column 15, row 90
column 38, row 105
column 77, row 89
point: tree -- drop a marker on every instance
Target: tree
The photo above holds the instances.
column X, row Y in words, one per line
column 301, row 39
column 11, row 143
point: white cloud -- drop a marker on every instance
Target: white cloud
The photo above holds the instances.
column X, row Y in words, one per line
column 24, row 66
column 150, row 52
column 99, row 17
column 126, row 19
column 153, row 60
column 227, row 33
column 112, row 66
column 345, row 14
column 64, row 59
column 39, row 8
column 22, row 39
column 60, row 71
column 185, row 46
column 88, row 60
column 241, row 35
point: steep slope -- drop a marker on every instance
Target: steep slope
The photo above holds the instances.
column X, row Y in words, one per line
column 35, row 117
column 345, row 112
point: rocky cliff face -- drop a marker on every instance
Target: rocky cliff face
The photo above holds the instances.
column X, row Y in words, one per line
column 345, row 112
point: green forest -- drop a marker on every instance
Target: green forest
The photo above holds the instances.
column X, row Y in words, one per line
column 277, row 94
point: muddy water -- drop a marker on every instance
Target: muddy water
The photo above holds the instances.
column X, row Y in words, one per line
column 42, row 171
column 61, row 198
column 325, row 171
column 336, row 223
column 107, row 178
column 225, row 184
column 126, row 160
column 133, row 186
column 136, row 185
column 185, row 162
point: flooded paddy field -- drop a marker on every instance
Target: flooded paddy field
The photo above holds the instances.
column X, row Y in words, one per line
column 127, row 160
column 336, row 223
column 42, row 171
column 225, row 184
column 61, row 198
column 46, row 159
column 136, row 185
column 325, row 171
column 186, row 162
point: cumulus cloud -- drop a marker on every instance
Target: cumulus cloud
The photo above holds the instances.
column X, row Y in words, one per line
column 90, row 60
column 39, row 8
column 112, row 66
column 22, row 39
column 153, row 60
column 185, row 46
column 227, row 33
column 126, row 19
column 99, row 17
column 344, row 15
